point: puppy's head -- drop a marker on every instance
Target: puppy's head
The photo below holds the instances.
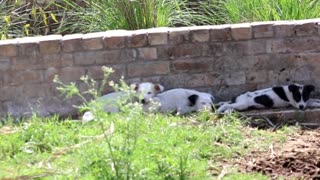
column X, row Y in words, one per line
column 300, row 95
column 201, row 101
column 147, row 90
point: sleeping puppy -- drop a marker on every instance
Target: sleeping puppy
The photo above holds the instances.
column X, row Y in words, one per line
column 145, row 90
column 180, row 101
column 279, row 96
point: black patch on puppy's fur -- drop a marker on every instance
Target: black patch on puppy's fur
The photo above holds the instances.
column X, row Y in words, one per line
column 264, row 100
column 295, row 92
column 280, row 92
column 306, row 92
column 193, row 99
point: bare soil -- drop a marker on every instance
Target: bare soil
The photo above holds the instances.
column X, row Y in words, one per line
column 297, row 158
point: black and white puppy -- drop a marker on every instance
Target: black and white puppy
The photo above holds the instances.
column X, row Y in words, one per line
column 276, row 97
column 180, row 101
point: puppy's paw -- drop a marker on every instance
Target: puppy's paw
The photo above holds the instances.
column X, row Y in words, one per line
column 313, row 103
column 87, row 116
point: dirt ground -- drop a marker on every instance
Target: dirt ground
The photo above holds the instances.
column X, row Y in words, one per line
column 298, row 158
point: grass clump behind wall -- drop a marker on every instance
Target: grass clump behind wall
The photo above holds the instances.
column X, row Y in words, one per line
column 104, row 15
column 237, row 11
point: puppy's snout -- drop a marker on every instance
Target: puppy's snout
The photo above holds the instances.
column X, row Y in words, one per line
column 143, row 101
column 301, row 107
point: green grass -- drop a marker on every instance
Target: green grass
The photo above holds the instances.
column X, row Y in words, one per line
column 141, row 146
column 105, row 15
column 237, row 11
column 130, row 144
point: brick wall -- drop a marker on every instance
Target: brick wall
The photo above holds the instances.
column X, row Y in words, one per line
column 225, row 60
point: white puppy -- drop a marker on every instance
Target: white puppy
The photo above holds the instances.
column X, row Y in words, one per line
column 180, row 101
column 145, row 90
column 276, row 97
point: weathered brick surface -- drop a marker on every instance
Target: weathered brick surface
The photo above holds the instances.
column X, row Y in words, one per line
column 301, row 44
column 179, row 36
column 226, row 60
column 26, row 77
column 200, row 35
column 242, row 32
column 87, row 58
column 147, row 69
column 284, row 29
column 50, row 44
column 138, row 39
column 222, row 33
column 306, row 29
column 52, row 60
column 8, row 48
column 93, row 41
column 263, row 30
column 147, row 53
column 5, row 63
column 28, row 46
column 158, row 36
column 71, row 43
column 185, row 50
column 191, row 65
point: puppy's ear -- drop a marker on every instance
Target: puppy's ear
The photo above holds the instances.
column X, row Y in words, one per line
column 193, row 99
column 158, row 87
column 135, row 86
column 309, row 88
column 293, row 88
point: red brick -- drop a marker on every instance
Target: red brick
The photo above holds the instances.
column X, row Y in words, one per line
column 66, row 60
column 5, row 63
column 115, row 56
column 179, row 35
column 195, row 80
column 93, row 41
column 52, row 60
column 67, row 74
column 147, row 69
column 34, row 90
column 71, row 43
column 10, row 92
column 28, row 46
column 220, row 33
column 303, row 44
column 191, row 65
column 306, row 29
column 50, row 44
column 138, row 39
column 96, row 72
column 235, row 78
column 158, row 36
column 241, row 32
column 26, row 77
column 184, row 50
column 115, row 42
column 283, row 29
column 147, row 53
column 236, row 48
column 8, row 48
column 86, row 58
column 262, row 30
column 27, row 62
column 257, row 76
column 200, row 35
